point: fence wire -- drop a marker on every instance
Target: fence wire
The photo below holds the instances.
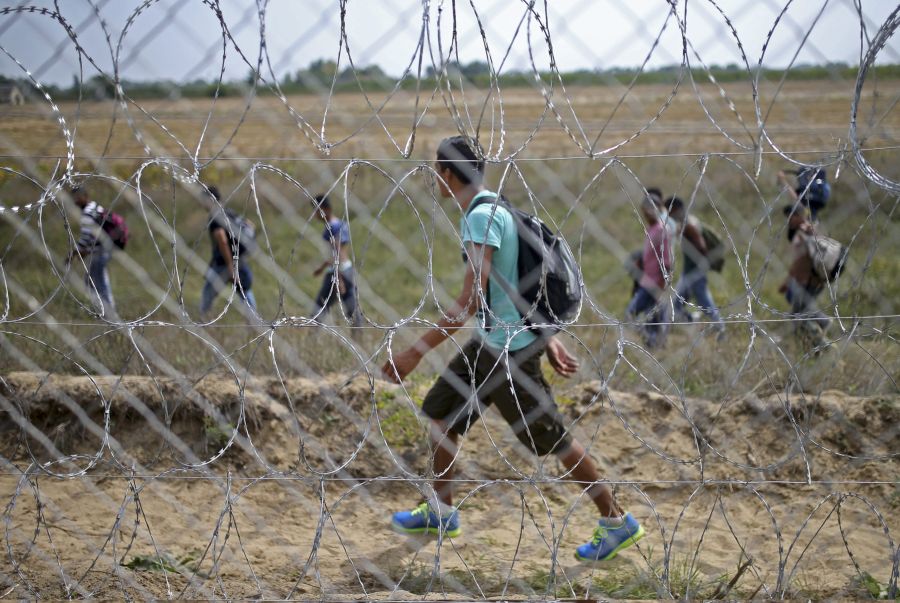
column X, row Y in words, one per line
column 166, row 432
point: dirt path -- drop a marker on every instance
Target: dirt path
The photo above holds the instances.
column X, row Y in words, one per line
column 299, row 502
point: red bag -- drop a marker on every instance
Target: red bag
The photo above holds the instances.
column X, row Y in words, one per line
column 115, row 228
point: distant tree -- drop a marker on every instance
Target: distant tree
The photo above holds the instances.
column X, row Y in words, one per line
column 98, row 87
column 476, row 68
column 323, row 71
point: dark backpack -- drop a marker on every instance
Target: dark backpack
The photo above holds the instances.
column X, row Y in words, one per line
column 549, row 293
column 715, row 251
column 813, row 187
column 114, row 226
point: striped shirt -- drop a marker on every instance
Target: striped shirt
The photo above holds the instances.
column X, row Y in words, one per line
column 91, row 216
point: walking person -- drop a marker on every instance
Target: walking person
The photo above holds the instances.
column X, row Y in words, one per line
column 233, row 240
column 694, row 281
column 634, row 264
column 648, row 300
column 500, row 365
column 95, row 249
column 812, row 189
column 340, row 283
column 803, row 284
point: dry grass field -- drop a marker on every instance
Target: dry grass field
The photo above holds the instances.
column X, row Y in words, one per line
column 402, row 234
column 320, row 454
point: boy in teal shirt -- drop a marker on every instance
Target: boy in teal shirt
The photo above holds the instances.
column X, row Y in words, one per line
column 505, row 357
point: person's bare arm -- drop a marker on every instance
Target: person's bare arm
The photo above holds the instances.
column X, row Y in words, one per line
column 225, row 249
column 562, row 361
column 693, row 234
column 459, row 313
column 782, row 177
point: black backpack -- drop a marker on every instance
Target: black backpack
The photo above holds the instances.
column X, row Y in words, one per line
column 549, row 294
column 813, row 187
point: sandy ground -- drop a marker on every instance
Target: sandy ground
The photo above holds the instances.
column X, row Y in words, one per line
column 147, row 504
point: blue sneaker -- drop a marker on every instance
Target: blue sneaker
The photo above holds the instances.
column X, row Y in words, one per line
column 422, row 520
column 608, row 541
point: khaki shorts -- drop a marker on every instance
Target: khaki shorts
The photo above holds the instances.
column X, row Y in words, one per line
column 526, row 403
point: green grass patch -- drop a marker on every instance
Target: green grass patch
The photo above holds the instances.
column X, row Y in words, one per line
column 399, row 423
column 186, row 564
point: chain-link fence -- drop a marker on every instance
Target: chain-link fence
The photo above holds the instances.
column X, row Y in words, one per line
column 227, row 227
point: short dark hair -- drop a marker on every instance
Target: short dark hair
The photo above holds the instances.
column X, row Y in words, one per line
column 655, row 194
column 214, row 191
column 463, row 157
column 674, row 203
column 322, row 202
column 790, row 210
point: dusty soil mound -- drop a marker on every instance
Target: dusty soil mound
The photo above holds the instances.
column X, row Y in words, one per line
column 220, row 488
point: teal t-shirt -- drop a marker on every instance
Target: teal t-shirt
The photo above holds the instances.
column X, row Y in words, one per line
column 493, row 225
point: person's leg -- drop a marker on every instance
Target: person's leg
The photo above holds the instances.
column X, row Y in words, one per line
column 643, row 302
column 803, row 303
column 810, row 324
column 444, row 448
column 350, row 297
column 582, row 470
column 97, row 279
column 640, row 303
column 326, row 296
column 682, row 295
column 250, row 299
column 700, row 291
column 452, row 407
column 245, row 286
column 530, row 410
column 214, row 282
column 812, row 307
column 655, row 326
column 616, row 530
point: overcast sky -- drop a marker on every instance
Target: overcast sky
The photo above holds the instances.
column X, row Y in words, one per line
column 182, row 40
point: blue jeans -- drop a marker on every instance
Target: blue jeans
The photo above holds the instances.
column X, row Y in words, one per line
column 694, row 285
column 217, row 279
column 329, row 293
column 97, row 278
column 644, row 303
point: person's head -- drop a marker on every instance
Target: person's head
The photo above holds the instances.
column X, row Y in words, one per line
column 657, row 196
column 796, row 217
column 79, row 194
column 459, row 165
column 650, row 210
column 214, row 191
column 322, row 206
column 676, row 209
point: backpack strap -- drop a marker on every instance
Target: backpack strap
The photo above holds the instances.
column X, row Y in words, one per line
column 500, row 201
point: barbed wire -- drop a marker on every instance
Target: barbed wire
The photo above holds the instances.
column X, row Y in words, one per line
column 255, row 450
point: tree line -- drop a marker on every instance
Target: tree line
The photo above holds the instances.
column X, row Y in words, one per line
column 323, row 76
